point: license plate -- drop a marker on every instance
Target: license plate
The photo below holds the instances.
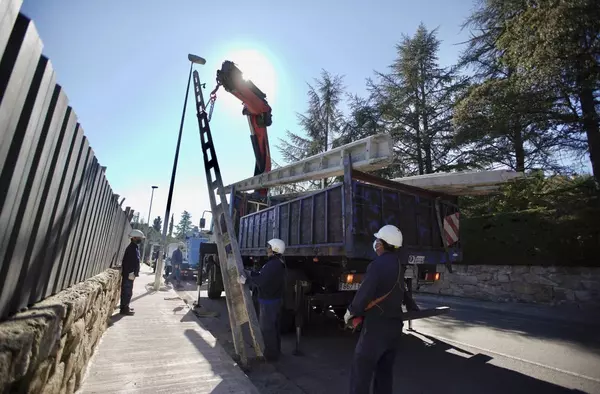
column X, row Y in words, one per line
column 348, row 286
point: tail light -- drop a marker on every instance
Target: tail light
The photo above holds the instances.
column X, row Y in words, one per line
column 351, row 278
column 432, row 276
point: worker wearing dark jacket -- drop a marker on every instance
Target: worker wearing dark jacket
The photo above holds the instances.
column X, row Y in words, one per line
column 379, row 300
column 271, row 283
column 130, row 269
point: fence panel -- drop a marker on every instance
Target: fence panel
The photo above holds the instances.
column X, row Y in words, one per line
column 60, row 222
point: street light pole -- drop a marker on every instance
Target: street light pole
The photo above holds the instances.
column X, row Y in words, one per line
column 193, row 60
column 149, row 213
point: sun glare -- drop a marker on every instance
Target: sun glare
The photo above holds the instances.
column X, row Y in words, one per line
column 257, row 68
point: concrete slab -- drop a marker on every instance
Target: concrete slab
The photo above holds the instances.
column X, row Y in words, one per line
column 161, row 349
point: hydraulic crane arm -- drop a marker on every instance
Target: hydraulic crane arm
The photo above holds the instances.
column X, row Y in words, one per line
column 256, row 108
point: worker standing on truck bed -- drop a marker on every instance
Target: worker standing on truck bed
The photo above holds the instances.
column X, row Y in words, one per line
column 270, row 282
column 379, row 300
column 130, row 269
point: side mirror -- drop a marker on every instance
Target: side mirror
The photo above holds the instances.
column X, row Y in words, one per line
column 202, row 223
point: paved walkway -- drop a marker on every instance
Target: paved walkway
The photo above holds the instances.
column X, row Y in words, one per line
column 161, row 349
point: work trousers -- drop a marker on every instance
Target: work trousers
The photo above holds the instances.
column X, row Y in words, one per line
column 126, row 292
column 270, row 326
column 374, row 356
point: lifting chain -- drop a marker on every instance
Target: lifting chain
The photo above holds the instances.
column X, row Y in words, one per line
column 213, row 98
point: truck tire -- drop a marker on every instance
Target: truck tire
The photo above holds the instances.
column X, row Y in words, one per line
column 214, row 282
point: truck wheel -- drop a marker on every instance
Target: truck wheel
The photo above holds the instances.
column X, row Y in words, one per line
column 214, row 282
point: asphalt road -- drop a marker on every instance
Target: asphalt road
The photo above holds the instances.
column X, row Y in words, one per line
column 469, row 350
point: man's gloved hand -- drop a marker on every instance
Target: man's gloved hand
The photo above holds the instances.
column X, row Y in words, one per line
column 131, row 276
column 241, row 279
column 347, row 316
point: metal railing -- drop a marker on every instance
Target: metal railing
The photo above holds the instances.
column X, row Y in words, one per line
column 60, row 222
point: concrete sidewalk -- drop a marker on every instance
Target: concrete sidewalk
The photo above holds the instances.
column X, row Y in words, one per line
column 161, row 349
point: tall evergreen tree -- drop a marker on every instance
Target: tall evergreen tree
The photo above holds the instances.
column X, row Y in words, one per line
column 184, row 225
column 157, row 224
column 322, row 123
column 557, row 44
column 416, row 99
column 503, row 118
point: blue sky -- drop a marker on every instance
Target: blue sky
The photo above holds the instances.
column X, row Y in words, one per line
column 123, row 65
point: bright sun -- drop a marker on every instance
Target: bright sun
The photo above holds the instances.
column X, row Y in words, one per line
column 256, row 67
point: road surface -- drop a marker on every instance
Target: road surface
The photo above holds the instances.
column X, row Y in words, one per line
column 470, row 350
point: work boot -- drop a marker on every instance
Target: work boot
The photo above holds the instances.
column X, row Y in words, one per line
column 127, row 312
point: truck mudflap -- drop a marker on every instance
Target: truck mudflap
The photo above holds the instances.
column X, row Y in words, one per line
column 423, row 313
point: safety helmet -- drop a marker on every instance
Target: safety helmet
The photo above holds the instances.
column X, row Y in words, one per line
column 390, row 234
column 277, row 245
column 136, row 234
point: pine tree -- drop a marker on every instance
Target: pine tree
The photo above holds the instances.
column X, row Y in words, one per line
column 184, row 225
column 503, row 118
column 416, row 99
column 157, row 224
column 322, row 123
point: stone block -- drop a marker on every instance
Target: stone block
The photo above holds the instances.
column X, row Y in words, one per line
column 54, row 384
column 484, row 277
column 520, row 269
column 74, row 336
column 70, row 387
column 16, row 350
column 538, row 279
column 40, row 377
column 583, row 295
column 522, row 288
column 545, row 294
column 503, row 278
column 590, row 284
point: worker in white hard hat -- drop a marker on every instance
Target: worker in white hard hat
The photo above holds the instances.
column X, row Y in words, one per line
column 130, row 269
column 378, row 303
column 271, row 283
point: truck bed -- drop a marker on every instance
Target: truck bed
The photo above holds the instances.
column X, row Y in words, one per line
column 334, row 223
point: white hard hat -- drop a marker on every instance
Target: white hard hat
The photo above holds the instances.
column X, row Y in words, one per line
column 390, row 234
column 136, row 234
column 277, row 245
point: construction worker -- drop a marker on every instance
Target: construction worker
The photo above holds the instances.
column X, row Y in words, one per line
column 130, row 269
column 270, row 282
column 379, row 301
column 176, row 261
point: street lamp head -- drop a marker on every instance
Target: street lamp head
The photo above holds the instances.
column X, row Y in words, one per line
column 155, row 187
column 196, row 59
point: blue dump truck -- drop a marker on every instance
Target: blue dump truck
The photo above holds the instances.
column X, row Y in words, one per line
column 329, row 239
column 191, row 257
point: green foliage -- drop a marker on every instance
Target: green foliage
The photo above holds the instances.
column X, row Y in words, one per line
column 185, row 225
column 540, row 220
column 171, row 225
column 415, row 99
column 157, row 224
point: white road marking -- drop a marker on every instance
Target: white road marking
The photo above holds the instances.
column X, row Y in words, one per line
column 513, row 357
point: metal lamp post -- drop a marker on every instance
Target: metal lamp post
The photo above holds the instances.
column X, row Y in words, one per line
column 149, row 213
column 193, row 60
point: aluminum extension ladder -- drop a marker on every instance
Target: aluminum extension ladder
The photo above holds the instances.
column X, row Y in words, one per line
column 239, row 302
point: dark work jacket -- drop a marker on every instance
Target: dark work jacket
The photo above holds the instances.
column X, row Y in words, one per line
column 131, row 260
column 381, row 277
column 177, row 257
column 270, row 280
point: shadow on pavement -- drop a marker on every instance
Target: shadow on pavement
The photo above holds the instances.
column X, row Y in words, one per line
column 460, row 317
column 226, row 385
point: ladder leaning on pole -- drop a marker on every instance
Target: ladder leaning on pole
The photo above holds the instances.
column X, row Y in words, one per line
column 239, row 302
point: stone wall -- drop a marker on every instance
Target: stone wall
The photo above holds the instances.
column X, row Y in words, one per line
column 46, row 348
column 533, row 284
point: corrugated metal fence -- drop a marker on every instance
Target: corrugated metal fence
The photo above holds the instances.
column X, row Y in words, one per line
column 60, row 222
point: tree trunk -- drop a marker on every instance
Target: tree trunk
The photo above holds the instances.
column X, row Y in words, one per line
column 519, row 150
column 591, row 127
